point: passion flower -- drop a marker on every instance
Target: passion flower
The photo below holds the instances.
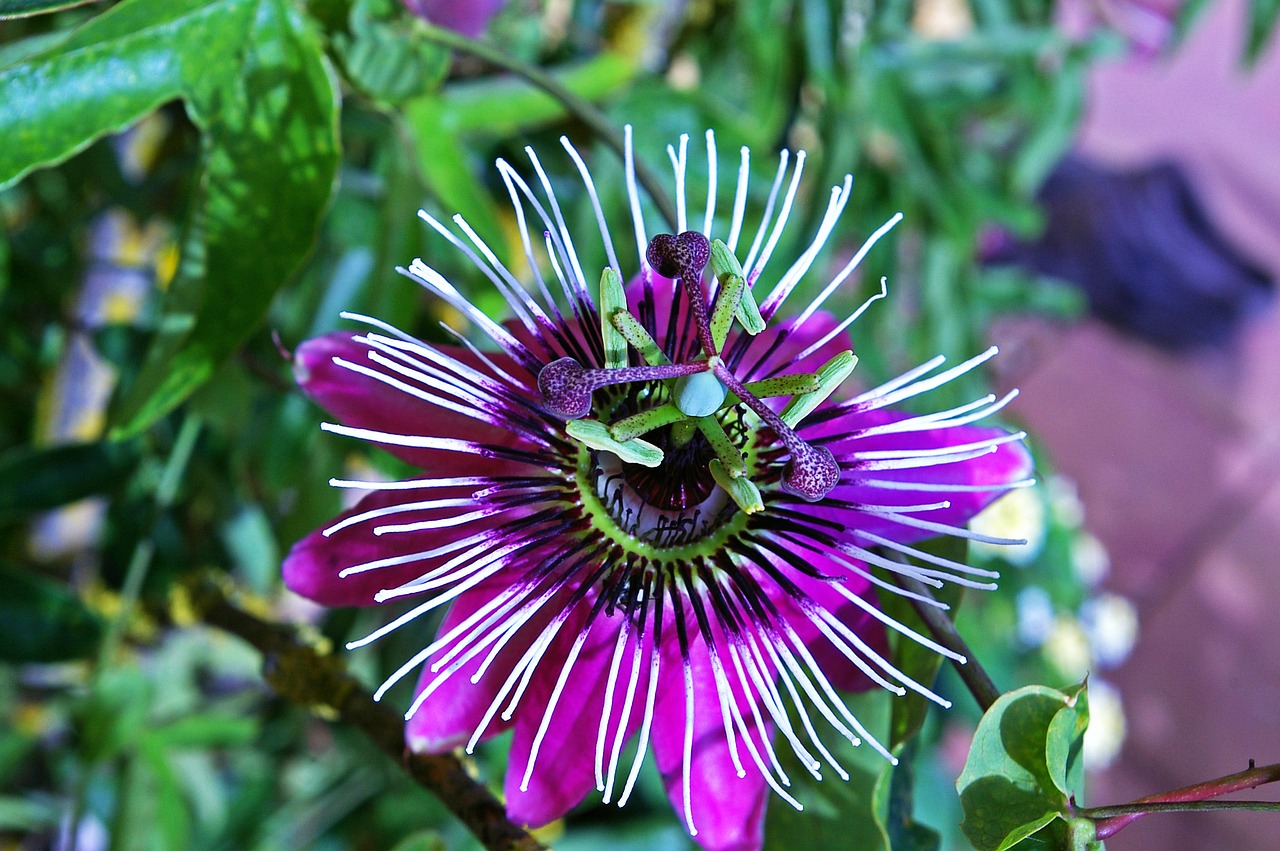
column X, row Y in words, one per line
column 649, row 509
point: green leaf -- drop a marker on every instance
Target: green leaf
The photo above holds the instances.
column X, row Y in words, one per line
column 1054, row 131
column 256, row 82
column 114, row 714
column 251, row 543
column 386, row 56
column 271, row 155
column 153, row 812
column 205, row 731
column 1066, row 739
column 444, row 161
column 4, row 262
column 896, row 805
column 38, row 479
column 423, row 840
column 1263, row 15
column 500, row 107
column 109, row 73
column 506, row 106
column 42, row 621
column 26, row 816
column 23, row 8
column 1014, row 782
column 838, row 814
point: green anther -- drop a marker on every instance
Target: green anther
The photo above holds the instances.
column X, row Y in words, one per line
column 784, row 385
column 749, row 313
column 723, row 263
column 644, row 422
column 830, row 376
column 729, row 457
column 683, row 431
column 699, row 394
column 630, row 328
column 730, row 296
column 595, row 435
column 612, row 297
column 742, row 490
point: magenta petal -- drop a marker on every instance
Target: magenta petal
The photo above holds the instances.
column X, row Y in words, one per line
column 728, row 810
column 363, row 402
column 1009, row 463
column 313, row 564
column 468, row 17
column 784, row 359
column 564, row 772
column 448, row 718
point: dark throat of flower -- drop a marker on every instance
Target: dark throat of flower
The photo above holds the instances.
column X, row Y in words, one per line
column 668, row 447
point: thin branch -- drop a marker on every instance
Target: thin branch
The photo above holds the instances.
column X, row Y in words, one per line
column 975, row 677
column 1191, row 798
column 302, row 674
column 580, row 108
column 1101, row 813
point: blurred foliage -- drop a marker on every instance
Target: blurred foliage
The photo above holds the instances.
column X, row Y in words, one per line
column 189, row 188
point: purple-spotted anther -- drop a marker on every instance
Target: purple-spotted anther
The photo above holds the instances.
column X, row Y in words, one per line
column 651, row 510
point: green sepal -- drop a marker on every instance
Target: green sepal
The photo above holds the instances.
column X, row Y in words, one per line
column 743, row 491
column 830, row 376
column 595, row 435
column 613, row 296
column 723, row 264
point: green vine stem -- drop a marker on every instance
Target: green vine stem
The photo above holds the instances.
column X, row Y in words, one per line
column 1188, row 799
column 580, row 108
column 143, row 552
column 305, row 674
column 134, row 578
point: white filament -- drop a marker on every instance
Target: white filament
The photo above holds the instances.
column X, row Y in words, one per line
column 595, row 202
column 739, row 199
column 848, row 269
column 678, row 163
column 712, row 166
column 754, row 269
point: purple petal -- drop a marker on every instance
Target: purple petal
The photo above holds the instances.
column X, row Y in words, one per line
column 842, row 673
column 363, row 402
column 450, row 715
column 785, row 359
column 313, row 565
column 1008, row 463
column 728, row 811
column 468, row 17
column 564, row 772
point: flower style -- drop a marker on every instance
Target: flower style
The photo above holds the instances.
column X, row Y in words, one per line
column 647, row 509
